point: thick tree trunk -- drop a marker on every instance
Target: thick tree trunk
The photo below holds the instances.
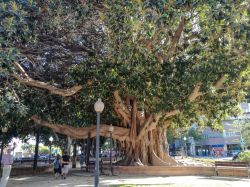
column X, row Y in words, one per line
column 74, row 156
column 142, row 140
column 147, row 142
column 88, row 151
column 150, row 150
column 68, row 146
column 36, row 150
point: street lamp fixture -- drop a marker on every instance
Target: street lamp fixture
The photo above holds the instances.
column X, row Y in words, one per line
column 4, row 129
column 111, row 129
column 50, row 140
column 99, row 106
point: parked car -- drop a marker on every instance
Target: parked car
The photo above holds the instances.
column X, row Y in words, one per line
column 46, row 157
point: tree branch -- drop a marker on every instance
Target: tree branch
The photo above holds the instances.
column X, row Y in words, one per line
column 195, row 93
column 123, row 115
column 151, row 121
column 145, row 127
column 171, row 113
column 176, row 38
column 219, row 83
column 119, row 133
column 18, row 66
column 69, row 46
column 246, row 85
column 140, row 117
column 121, row 108
column 46, row 86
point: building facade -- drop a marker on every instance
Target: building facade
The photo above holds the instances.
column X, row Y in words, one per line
column 226, row 143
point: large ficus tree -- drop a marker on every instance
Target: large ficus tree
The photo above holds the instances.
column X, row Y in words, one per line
column 156, row 64
column 174, row 62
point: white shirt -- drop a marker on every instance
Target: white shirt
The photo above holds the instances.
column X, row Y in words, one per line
column 7, row 159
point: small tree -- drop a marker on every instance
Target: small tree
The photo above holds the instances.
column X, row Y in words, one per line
column 192, row 132
column 28, row 147
column 245, row 132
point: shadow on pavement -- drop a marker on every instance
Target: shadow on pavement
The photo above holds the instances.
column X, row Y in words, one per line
column 224, row 178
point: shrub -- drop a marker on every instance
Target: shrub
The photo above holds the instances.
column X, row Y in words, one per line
column 244, row 157
column 43, row 150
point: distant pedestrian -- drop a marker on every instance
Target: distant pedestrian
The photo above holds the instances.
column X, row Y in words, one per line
column 82, row 159
column 7, row 161
column 65, row 164
column 57, row 166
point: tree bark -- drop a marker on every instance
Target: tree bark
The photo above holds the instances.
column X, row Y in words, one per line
column 74, row 156
column 25, row 79
column 68, row 146
column 88, row 151
column 43, row 85
column 36, row 150
column 119, row 133
column 2, row 147
column 146, row 143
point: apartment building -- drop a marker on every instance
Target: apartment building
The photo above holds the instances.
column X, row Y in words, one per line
column 226, row 143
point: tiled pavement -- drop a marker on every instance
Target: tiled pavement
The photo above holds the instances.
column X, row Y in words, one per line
column 80, row 179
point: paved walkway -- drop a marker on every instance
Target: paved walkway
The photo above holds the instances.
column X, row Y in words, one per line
column 86, row 179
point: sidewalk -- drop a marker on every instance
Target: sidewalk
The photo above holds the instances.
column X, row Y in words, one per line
column 81, row 179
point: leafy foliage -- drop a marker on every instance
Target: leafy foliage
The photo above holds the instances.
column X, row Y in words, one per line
column 48, row 39
column 244, row 157
column 245, row 132
column 156, row 51
column 192, row 132
column 141, row 61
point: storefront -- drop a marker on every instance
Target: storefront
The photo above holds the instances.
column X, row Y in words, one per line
column 204, row 150
column 218, row 150
column 233, row 149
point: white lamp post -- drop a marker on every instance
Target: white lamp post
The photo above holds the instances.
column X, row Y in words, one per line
column 111, row 129
column 185, row 145
column 99, row 106
column 4, row 131
column 50, row 140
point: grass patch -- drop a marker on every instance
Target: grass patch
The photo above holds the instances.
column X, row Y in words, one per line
column 152, row 185
column 205, row 160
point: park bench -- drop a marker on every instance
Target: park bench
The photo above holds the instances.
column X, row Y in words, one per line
column 90, row 166
column 224, row 164
column 107, row 159
column 30, row 160
column 104, row 164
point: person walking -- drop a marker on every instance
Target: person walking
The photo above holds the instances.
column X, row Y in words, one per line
column 65, row 164
column 82, row 160
column 7, row 161
column 57, row 166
